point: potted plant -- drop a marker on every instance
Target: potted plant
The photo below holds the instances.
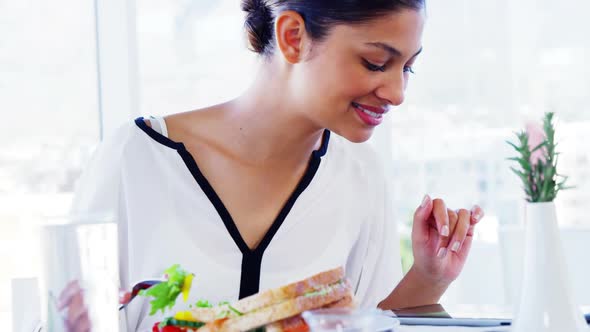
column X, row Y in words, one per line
column 546, row 302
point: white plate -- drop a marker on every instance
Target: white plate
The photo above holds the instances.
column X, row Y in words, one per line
column 343, row 319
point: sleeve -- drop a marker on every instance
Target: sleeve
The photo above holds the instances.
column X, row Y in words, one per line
column 381, row 265
column 98, row 187
column 99, row 192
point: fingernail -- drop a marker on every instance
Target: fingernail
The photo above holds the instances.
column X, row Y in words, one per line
column 476, row 214
column 455, row 246
column 442, row 252
column 124, row 297
column 445, row 231
column 425, row 201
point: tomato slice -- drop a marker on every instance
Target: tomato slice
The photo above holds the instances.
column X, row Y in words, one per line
column 167, row 328
column 171, row 328
column 295, row 324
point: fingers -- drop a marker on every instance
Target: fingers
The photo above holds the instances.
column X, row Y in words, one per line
column 476, row 214
column 82, row 324
column 461, row 229
column 441, row 217
column 72, row 298
column 124, row 297
column 444, row 241
column 461, row 225
column 466, row 246
column 420, row 227
column 431, row 214
column 455, row 228
column 71, row 289
column 470, row 230
column 77, row 313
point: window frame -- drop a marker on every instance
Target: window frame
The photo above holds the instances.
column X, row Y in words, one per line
column 116, row 64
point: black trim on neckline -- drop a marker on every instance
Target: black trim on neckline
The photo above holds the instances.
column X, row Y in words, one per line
column 140, row 122
column 324, row 147
column 251, row 258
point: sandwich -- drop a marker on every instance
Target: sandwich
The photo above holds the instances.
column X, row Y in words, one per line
column 277, row 309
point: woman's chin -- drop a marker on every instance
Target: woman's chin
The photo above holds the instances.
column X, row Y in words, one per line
column 357, row 135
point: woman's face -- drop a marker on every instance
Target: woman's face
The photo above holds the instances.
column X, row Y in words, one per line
column 351, row 79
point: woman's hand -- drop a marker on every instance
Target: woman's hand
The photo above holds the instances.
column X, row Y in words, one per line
column 71, row 300
column 441, row 240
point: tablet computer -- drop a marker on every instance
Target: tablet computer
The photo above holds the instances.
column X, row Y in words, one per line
column 468, row 315
column 460, row 315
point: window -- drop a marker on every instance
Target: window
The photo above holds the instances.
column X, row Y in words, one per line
column 485, row 72
column 191, row 54
column 50, row 122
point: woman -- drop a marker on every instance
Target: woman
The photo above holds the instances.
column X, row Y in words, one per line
column 271, row 187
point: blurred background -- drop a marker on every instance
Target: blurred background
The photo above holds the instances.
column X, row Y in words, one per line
column 72, row 71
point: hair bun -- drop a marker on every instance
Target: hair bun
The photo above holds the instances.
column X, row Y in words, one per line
column 258, row 24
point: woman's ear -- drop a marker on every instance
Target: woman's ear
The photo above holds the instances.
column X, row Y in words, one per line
column 291, row 36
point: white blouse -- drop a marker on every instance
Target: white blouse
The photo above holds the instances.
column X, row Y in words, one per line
column 340, row 214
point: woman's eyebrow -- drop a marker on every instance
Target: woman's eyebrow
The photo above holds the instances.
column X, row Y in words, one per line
column 390, row 49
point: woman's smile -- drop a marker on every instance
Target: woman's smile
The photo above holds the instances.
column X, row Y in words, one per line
column 369, row 115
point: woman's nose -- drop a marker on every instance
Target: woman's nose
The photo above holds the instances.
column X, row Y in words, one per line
column 393, row 90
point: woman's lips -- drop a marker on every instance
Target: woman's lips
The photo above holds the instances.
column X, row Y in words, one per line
column 370, row 115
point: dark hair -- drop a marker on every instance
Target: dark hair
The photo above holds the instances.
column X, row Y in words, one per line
column 319, row 16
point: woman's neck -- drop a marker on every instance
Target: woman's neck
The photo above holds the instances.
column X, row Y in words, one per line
column 268, row 127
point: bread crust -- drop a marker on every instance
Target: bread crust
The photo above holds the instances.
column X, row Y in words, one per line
column 285, row 309
column 296, row 323
column 269, row 297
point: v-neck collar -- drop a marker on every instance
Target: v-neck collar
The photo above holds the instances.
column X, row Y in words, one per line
column 251, row 257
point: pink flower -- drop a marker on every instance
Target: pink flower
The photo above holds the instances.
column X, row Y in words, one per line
column 536, row 137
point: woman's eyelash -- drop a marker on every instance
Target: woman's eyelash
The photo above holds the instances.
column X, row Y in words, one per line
column 373, row 67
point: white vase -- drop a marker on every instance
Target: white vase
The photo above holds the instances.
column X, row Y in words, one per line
column 546, row 301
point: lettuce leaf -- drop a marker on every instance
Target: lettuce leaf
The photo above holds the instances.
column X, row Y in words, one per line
column 165, row 293
column 203, row 304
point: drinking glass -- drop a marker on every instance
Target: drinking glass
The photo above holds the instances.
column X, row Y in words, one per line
column 341, row 320
column 82, row 249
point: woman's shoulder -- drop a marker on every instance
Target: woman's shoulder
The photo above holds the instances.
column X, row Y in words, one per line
column 138, row 135
column 197, row 125
column 130, row 138
column 97, row 188
column 125, row 147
